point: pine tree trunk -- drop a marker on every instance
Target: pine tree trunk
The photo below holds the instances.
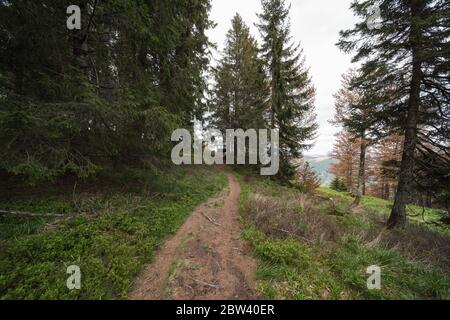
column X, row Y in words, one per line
column 429, row 200
column 274, row 96
column 361, row 172
column 398, row 214
column 350, row 177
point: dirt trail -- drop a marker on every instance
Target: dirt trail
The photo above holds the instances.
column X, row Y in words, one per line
column 205, row 260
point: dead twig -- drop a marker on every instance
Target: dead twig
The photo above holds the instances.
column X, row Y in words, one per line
column 215, row 286
column 284, row 231
column 372, row 244
column 294, row 235
column 74, row 198
column 132, row 210
column 190, row 288
column 211, row 220
column 31, row 214
column 218, row 264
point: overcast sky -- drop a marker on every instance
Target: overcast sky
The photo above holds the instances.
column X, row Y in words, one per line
column 316, row 25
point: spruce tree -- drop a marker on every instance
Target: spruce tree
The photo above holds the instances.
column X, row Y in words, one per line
column 240, row 91
column 410, row 49
column 338, row 184
column 108, row 94
column 291, row 90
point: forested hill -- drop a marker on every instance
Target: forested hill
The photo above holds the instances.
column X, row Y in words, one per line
column 321, row 166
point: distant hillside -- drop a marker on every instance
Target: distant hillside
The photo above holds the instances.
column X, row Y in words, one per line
column 321, row 165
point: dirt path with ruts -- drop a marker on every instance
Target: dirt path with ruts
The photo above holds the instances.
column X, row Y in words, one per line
column 205, row 260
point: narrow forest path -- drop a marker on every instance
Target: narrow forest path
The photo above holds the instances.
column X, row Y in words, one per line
column 206, row 259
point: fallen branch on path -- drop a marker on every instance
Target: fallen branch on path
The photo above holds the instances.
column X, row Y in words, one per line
column 211, row 220
column 215, row 286
column 190, row 288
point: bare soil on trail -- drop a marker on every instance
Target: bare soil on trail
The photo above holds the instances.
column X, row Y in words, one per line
column 205, row 260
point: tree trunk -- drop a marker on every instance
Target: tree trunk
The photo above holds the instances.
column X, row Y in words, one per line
column 360, row 190
column 349, row 177
column 79, row 39
column 383, row 191
column 398, row 214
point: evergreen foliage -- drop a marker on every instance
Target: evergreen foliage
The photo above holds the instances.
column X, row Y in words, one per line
column 72, row 102
column 292, row 92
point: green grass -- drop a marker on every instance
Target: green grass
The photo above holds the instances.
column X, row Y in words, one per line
column 400, row 278
column 384, row 207
column 289, row 269
column 292, row 268
column 110, row 245
column 15, row 226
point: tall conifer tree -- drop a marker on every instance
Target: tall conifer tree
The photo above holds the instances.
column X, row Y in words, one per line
column 240, row 92
column 410, row 49
column 291, row 90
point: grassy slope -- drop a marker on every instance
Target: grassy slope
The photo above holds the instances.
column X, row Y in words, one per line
column 384, row 207
column 325, row 256
column 110, row 245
